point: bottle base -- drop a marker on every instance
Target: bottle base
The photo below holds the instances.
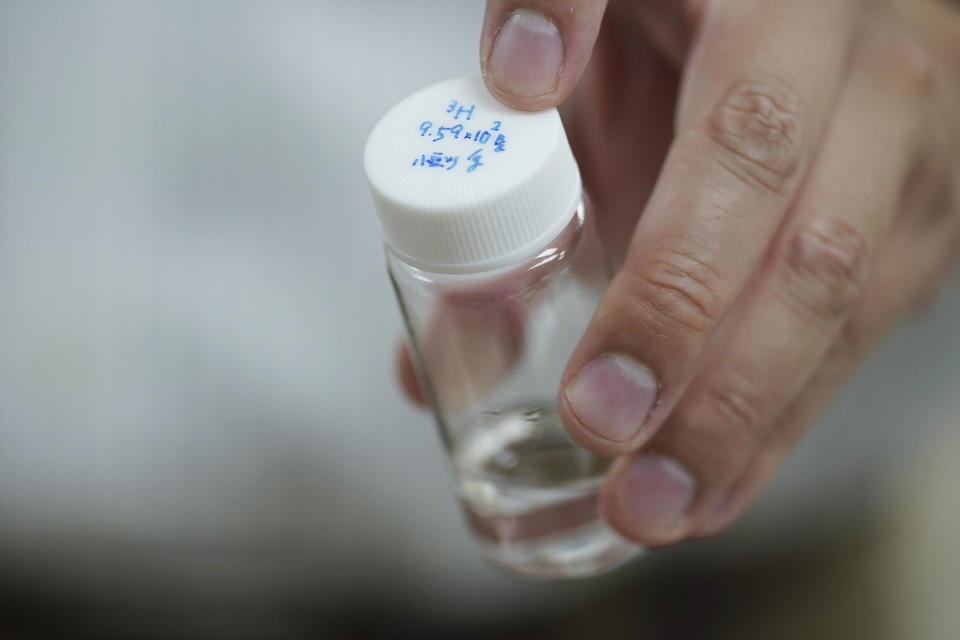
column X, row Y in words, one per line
column 531, row 497
column 568, row 556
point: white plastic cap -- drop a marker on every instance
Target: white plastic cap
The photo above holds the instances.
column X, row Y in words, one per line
column 462, row 183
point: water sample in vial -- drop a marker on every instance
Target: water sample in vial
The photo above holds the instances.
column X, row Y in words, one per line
column 496, row 263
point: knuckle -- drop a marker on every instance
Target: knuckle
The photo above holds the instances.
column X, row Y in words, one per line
column 677, row 288
column 757, row 127
column 735, row 406
column 693, row 11
column 953, row 199
column 826, row 264
column 725, row 422
column 845, row 350
column 687, row 12
column 911, row 63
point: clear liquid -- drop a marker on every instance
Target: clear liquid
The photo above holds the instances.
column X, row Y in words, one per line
column 529, row 494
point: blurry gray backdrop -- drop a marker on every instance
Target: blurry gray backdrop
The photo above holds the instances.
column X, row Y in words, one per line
column 196, row 330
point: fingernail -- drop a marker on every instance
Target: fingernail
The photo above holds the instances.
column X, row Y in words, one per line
column 653, row 495
column 612, row 396
column 527, row 54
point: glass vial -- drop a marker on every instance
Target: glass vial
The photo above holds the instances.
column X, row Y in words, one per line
column 497, row 266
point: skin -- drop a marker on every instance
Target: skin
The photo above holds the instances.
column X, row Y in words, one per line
column 779, row 182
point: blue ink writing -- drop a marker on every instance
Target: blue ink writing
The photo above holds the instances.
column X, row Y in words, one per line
column 492, row 137
column 456, row 130
column 460, row 109
column 475, row 157
column 436, row 160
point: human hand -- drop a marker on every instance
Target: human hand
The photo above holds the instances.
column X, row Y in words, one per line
column 780, row 182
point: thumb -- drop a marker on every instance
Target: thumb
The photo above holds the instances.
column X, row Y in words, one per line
column 533, row 53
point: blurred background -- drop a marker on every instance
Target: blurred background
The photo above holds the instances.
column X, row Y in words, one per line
column 200, row 435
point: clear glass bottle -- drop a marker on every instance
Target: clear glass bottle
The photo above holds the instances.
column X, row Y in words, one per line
column 498, row 270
